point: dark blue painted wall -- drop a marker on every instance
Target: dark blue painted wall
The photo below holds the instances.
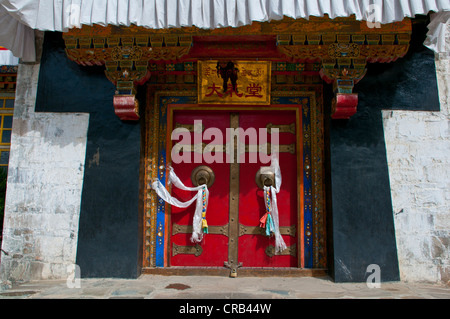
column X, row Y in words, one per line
column 361, row 209
column 108, row 238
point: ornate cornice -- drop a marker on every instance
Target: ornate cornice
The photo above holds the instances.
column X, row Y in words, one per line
column 344, row 57
column 343, row 46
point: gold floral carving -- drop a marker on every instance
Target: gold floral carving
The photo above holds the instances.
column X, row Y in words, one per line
column 383, row 51
column 300, row 52
column 99, row 56
column 126, row 53
column 348, row 50
column 339, row 50
column 125, row 75
column 166, row 53
column 344, row 74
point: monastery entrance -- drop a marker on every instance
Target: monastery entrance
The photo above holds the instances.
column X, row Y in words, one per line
column 266, row 73
column 228, row 147
column 235, row 166
column 262, row 75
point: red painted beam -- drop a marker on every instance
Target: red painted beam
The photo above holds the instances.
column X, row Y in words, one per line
column 234, row 47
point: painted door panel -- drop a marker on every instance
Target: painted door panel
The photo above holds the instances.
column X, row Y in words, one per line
column 213, row 247
column 253, row 250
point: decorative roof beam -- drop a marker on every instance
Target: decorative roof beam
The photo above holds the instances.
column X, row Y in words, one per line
column 344, row 58
column 126, row 61
column 343, row 46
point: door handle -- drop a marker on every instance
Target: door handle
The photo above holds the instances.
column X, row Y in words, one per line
column 203, row 175
column 265, row 176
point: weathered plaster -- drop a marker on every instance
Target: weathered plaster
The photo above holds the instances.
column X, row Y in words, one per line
column 418, row 151
column 45, row 179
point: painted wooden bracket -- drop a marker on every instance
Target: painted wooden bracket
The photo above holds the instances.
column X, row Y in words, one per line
column 126, row 76
column 344, row 106
column 126, row 107
column 344, row 60
column 126, row 58
column 343, row 69
column 345, row 102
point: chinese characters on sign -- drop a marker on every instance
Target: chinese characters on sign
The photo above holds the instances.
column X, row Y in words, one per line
column 234, row 82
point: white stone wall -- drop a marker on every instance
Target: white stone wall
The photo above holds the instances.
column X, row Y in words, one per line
column 45, row 179
column 418, row 152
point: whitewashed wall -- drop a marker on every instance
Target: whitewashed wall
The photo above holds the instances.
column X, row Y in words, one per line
column 45, row 179
column 418, row 151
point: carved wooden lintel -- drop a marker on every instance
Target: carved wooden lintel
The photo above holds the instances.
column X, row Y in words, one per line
column 126, row 59
column 344, row 60
column 343, row 46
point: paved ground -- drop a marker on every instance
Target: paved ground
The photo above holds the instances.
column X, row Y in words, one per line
column 210, row 287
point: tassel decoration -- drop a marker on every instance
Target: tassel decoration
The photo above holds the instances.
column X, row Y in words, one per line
column 204, row 204
column 205, row 226
column 269, row 225
column 263, row 220
column 267, row 221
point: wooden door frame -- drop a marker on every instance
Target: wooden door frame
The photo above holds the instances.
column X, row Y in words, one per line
column 160, row 104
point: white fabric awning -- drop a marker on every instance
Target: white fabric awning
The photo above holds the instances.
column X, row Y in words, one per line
column 7, row 58
column 18, row 18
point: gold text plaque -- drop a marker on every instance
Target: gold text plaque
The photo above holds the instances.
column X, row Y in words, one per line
column 234, row 82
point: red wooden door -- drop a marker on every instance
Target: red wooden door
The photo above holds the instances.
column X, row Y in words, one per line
column 235, row 235
column 257, row 250
column 212, row 251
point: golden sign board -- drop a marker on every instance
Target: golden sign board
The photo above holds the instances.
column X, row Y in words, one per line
column 234, row 82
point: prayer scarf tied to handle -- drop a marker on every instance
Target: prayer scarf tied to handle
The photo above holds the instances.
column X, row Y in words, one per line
column 270, row 221
column 199, row 224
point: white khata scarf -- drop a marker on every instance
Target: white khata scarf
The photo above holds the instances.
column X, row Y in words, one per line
column 270, row 221
column 199, row 223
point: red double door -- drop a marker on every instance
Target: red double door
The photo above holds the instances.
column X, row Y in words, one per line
column 236, row 202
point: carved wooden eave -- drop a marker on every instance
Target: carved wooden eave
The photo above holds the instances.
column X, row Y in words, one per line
column 343, row 46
